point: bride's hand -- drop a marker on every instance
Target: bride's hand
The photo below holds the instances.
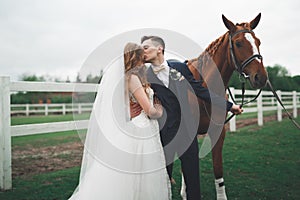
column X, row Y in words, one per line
column 155, row 111
column 158, row 106
column 156, row 100
column 159, row 109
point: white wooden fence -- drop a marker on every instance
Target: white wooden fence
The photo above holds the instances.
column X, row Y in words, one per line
column 7, row 131
column 265, row 102
column 46, row 109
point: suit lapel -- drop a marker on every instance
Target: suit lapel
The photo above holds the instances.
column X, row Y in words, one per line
column 152, row 78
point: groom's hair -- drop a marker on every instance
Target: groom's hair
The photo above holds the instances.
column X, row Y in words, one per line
column 155, row 39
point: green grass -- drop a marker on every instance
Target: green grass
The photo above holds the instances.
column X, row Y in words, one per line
column 263, row 163
column 43, row 140
column 259, row 163
column 45, row 119
column 54, row 185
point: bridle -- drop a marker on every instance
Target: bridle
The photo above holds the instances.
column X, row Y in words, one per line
column 240, row 68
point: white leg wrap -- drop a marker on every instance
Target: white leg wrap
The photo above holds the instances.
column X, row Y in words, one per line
column 183, row 188
column 220, row 189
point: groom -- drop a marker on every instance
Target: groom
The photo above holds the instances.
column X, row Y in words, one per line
column 178, row 130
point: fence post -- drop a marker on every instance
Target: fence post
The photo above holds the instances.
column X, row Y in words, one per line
column 260, row 117
column 64, row 109
column 272, row 101
column 27, row 109
column 5, row 136
column 79, row 109
column 294, row 104
column 279, row 111
column 232, row 122
column 46, row 109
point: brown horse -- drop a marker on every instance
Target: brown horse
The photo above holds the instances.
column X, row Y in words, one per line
column 237, row 49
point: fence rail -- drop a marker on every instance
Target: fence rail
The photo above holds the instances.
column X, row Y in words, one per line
column 45, row 109
column 265, row 102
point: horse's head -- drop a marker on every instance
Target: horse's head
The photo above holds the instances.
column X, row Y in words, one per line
column 244, row 51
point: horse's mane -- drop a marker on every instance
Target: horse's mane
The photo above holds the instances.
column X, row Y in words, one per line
column 210, row 51
column 213, row 47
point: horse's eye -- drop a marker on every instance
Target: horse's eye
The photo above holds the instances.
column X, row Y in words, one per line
column 238, row 44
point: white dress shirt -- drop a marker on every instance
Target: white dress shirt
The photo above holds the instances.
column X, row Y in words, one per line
column 163, row 75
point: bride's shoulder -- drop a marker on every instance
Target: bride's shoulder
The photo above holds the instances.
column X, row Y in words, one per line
column 133, row 79
column 132, row 76
column 134, row 82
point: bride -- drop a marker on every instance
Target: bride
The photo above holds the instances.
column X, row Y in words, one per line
column 123, row 157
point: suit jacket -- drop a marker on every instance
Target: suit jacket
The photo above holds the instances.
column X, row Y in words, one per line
column 200, row 91
column 178, row 113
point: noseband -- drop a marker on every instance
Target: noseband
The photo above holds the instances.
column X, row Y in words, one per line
column 240, row 68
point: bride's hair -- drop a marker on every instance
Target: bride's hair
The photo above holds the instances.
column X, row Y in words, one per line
column 134, row 62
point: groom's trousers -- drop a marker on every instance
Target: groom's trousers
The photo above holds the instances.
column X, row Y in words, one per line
column 187, row 150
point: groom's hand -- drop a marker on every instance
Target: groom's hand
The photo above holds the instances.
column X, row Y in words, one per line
column 236, row 109
column 135, row 109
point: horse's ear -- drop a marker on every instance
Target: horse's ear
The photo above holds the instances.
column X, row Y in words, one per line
column 255, row 21
column 229, row 25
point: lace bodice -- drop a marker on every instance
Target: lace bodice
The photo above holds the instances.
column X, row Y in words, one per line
column 133, row 84
column 148, row 91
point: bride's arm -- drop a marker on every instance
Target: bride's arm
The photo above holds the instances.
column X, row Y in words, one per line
column 142, row 98
column 136, row 88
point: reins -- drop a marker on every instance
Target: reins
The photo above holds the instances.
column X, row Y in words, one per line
column 243, row 103
column 275, row 95
column 280, row 102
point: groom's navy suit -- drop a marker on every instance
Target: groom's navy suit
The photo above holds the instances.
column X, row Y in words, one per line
column 178, row 127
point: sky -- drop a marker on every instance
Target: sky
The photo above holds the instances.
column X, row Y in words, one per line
column 54, row 38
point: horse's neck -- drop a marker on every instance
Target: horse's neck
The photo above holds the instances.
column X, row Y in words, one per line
column 213, row 62
column 223, row 61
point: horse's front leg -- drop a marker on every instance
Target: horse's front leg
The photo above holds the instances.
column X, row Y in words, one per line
column 218, row 170
column 218, row 167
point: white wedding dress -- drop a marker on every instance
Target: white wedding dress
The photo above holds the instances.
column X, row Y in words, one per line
column 123, row 159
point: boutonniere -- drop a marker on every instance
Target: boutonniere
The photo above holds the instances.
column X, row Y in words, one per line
column 176, row 75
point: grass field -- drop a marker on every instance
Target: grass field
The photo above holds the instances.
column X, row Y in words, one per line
column 259, row 163
column 46, row 119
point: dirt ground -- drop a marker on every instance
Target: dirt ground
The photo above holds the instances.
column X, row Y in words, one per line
column 31, row 160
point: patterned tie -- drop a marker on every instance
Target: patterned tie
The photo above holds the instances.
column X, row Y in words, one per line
column 156, row 70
